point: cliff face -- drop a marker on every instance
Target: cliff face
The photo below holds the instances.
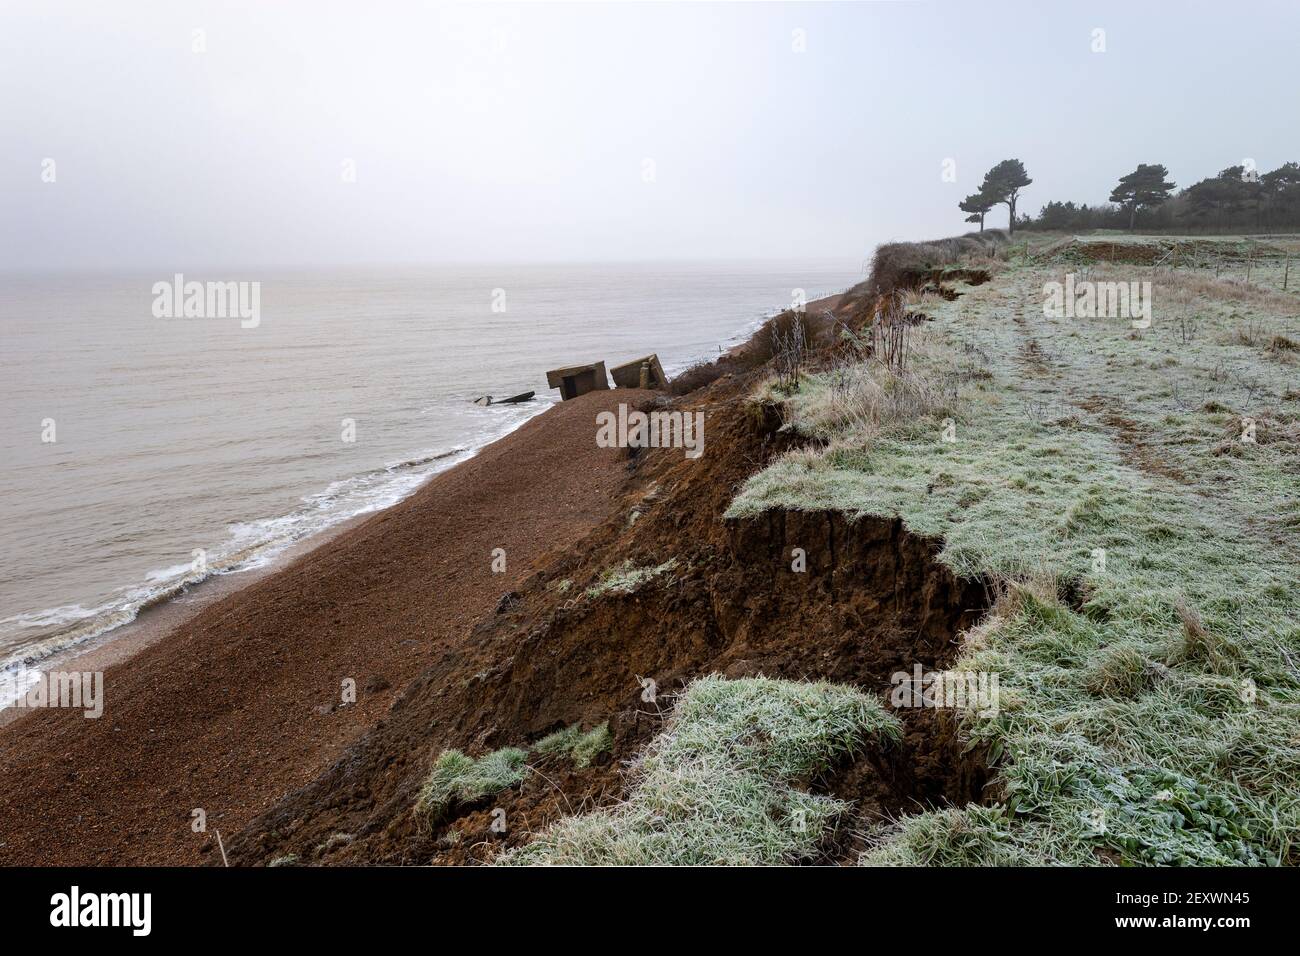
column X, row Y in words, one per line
column 867, row 600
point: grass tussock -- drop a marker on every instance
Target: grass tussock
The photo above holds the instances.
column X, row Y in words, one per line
column 865, row 399
column 1196, row 644
column 1121, row 671
column 572, row 742
column 591, row 745
column 559, row 743
column 721, row 783
column 458, row 778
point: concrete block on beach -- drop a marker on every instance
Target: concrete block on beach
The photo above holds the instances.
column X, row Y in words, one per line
column 640, row 373
column 575, row 380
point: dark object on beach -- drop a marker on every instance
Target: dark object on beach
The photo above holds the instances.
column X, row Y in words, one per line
column 640, row 373
column 512, row 400
column 576, row 380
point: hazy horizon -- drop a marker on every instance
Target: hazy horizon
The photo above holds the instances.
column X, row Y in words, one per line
column 525, row 133
column 307, row 268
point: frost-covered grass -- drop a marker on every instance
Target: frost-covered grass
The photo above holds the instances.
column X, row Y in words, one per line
column 591, row 745
column 560, row 742
column 627, row 577
column 1153, row 717
column 459, row 778
column 720, row 784
column 572, row 742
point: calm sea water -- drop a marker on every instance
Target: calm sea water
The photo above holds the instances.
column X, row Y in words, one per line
column 188, row 447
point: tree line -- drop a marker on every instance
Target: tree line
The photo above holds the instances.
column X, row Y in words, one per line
column 1239, row 197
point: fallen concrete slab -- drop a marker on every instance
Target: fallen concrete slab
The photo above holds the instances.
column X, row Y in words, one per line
column 575, row 380
column 644, row 372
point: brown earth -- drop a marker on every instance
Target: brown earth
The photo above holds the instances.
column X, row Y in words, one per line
column 237, row 713
column 240, row 705
column 873, row 601
column 1160, row 249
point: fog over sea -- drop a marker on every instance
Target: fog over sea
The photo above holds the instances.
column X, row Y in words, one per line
column 189, row 447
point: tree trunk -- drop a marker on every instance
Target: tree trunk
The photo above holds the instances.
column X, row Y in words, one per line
column 1132, row 216
column 1011, row 217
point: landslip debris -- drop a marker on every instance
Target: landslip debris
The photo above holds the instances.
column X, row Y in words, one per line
column 640, row 373
column 512, row 400
column 575, row 380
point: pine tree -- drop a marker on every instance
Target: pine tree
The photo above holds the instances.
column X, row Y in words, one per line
column 978, row 205
column 1003, row 184
column 1145, row 186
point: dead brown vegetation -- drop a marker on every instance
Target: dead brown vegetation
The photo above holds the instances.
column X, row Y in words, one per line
column 786, row 333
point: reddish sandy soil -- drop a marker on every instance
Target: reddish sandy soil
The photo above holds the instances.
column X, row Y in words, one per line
column 239, row 706
column 237, row 710
column 873, row 600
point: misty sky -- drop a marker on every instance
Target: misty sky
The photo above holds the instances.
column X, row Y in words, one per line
column 521, row 132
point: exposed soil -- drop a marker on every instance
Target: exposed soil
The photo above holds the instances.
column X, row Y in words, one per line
column 1133, row 437
column 1033, row 357
column 1160, row 249
column 241, row 704
column 939, row 281
column 238, row 711
column 872, row 601
column 1140, row 253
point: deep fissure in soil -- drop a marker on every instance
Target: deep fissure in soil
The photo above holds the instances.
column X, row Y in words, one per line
column 873, row 600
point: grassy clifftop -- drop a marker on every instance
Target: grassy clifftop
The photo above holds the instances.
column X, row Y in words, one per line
column 1136, row 492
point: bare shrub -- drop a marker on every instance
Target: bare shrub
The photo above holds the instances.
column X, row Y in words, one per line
column 788, row 346
column 1253, row 333
column 891, row 333
column 813, row 330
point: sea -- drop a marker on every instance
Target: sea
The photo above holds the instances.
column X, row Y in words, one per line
column 144, row 453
